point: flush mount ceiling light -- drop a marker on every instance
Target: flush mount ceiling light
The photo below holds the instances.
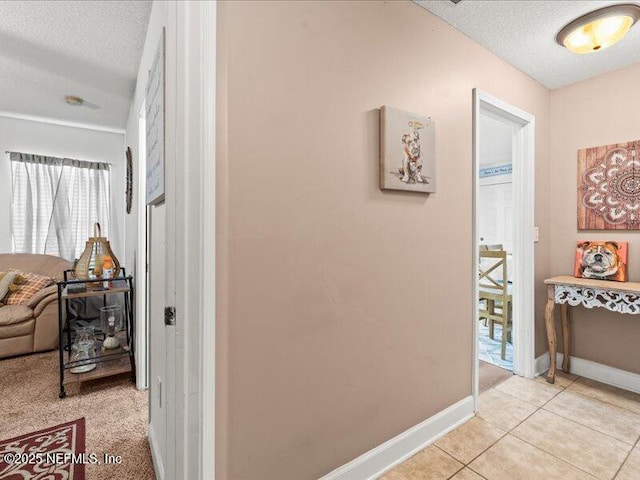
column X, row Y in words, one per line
column 73, row 101
column 599, row 29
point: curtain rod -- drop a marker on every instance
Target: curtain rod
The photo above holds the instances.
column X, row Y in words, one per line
column 108, row 163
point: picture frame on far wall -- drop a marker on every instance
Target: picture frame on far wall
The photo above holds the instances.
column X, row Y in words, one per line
column 601, row 260
column 129, row 180
column 609, row 187
column 155, row 125
column 407, row 151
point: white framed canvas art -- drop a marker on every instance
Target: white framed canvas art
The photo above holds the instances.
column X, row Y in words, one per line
column 407, row 151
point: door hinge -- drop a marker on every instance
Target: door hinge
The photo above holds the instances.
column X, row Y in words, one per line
column 169, row 315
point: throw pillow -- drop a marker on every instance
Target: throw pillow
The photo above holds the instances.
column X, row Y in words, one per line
column 7, row 284
column 28, row 285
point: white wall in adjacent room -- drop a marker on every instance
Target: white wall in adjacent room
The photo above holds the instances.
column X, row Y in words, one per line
column 495, row 211
column 37, row 137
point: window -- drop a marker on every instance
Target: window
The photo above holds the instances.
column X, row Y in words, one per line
column 56, row 202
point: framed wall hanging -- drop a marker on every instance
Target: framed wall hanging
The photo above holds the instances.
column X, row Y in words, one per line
column 407, row 151
column 601, row 260
column 609, row 187
column 155, row 123
column 129, row 186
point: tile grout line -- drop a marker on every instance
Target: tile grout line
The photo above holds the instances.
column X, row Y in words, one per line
column 542, row 407
column 626, row 458
column 578, row 377
column 575, row 380
column 554, row 456
column 477, row 473
column 537, row 409
column 564, row 389
column 450, row 456
column 570, row 420
column 466, row 464
column 491, row 445
column 604, row 401
column 524, row 441
column 454, row 458
column 587, row 426
column 506, row 432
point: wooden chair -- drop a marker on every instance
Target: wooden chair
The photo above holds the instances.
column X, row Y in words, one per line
column 495, row 294
column 484, row 247
column 497, row 246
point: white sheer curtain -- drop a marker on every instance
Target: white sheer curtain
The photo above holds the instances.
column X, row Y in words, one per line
column 55, row 203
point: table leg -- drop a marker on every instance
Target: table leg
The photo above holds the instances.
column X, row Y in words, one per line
column 505, row 325
column 62, row 393
column 551, row 333
column 491, row 310
column 564, row 309
column 132, row 358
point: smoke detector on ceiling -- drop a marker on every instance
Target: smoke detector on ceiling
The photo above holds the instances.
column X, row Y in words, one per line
column 73, row 101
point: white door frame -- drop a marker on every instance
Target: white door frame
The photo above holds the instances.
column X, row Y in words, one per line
column 142, row 324
column 207, row 246
column 523, row 239
column 195, row 242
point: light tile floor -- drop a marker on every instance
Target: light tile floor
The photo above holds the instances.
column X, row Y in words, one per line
column 532, row 430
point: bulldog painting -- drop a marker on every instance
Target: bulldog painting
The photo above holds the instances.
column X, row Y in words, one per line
column 407, row 151
column 601, row 261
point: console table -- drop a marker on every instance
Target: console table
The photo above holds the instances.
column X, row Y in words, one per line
column 621, row 297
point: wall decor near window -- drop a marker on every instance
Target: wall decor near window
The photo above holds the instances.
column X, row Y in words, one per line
column 129, row 186
column 407, row 151
column 609, row 187
column 155, row 124
column 601, row 260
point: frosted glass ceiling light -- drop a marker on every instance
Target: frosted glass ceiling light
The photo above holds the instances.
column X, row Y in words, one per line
column 599, row 29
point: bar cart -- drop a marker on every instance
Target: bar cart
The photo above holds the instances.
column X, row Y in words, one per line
column 107, row 361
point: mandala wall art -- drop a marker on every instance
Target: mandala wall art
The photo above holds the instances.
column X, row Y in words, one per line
column 609, row 187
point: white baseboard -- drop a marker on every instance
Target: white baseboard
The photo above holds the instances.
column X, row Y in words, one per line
column 155, row 454
column 542, row 363
column 594, row 371
column 384, row 457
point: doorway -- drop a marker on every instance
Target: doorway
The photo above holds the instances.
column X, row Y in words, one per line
column 495, row 228
column 503, row 232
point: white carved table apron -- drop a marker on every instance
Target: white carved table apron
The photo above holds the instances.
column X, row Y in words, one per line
column 565, row 290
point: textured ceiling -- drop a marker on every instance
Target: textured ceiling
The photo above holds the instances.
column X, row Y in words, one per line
column 91, row 49
column 523, row 32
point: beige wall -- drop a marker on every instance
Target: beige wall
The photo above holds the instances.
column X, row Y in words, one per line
column 599, row 111
column 345, row 312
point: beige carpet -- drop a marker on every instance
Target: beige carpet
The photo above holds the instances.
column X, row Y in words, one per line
column 115, row 413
